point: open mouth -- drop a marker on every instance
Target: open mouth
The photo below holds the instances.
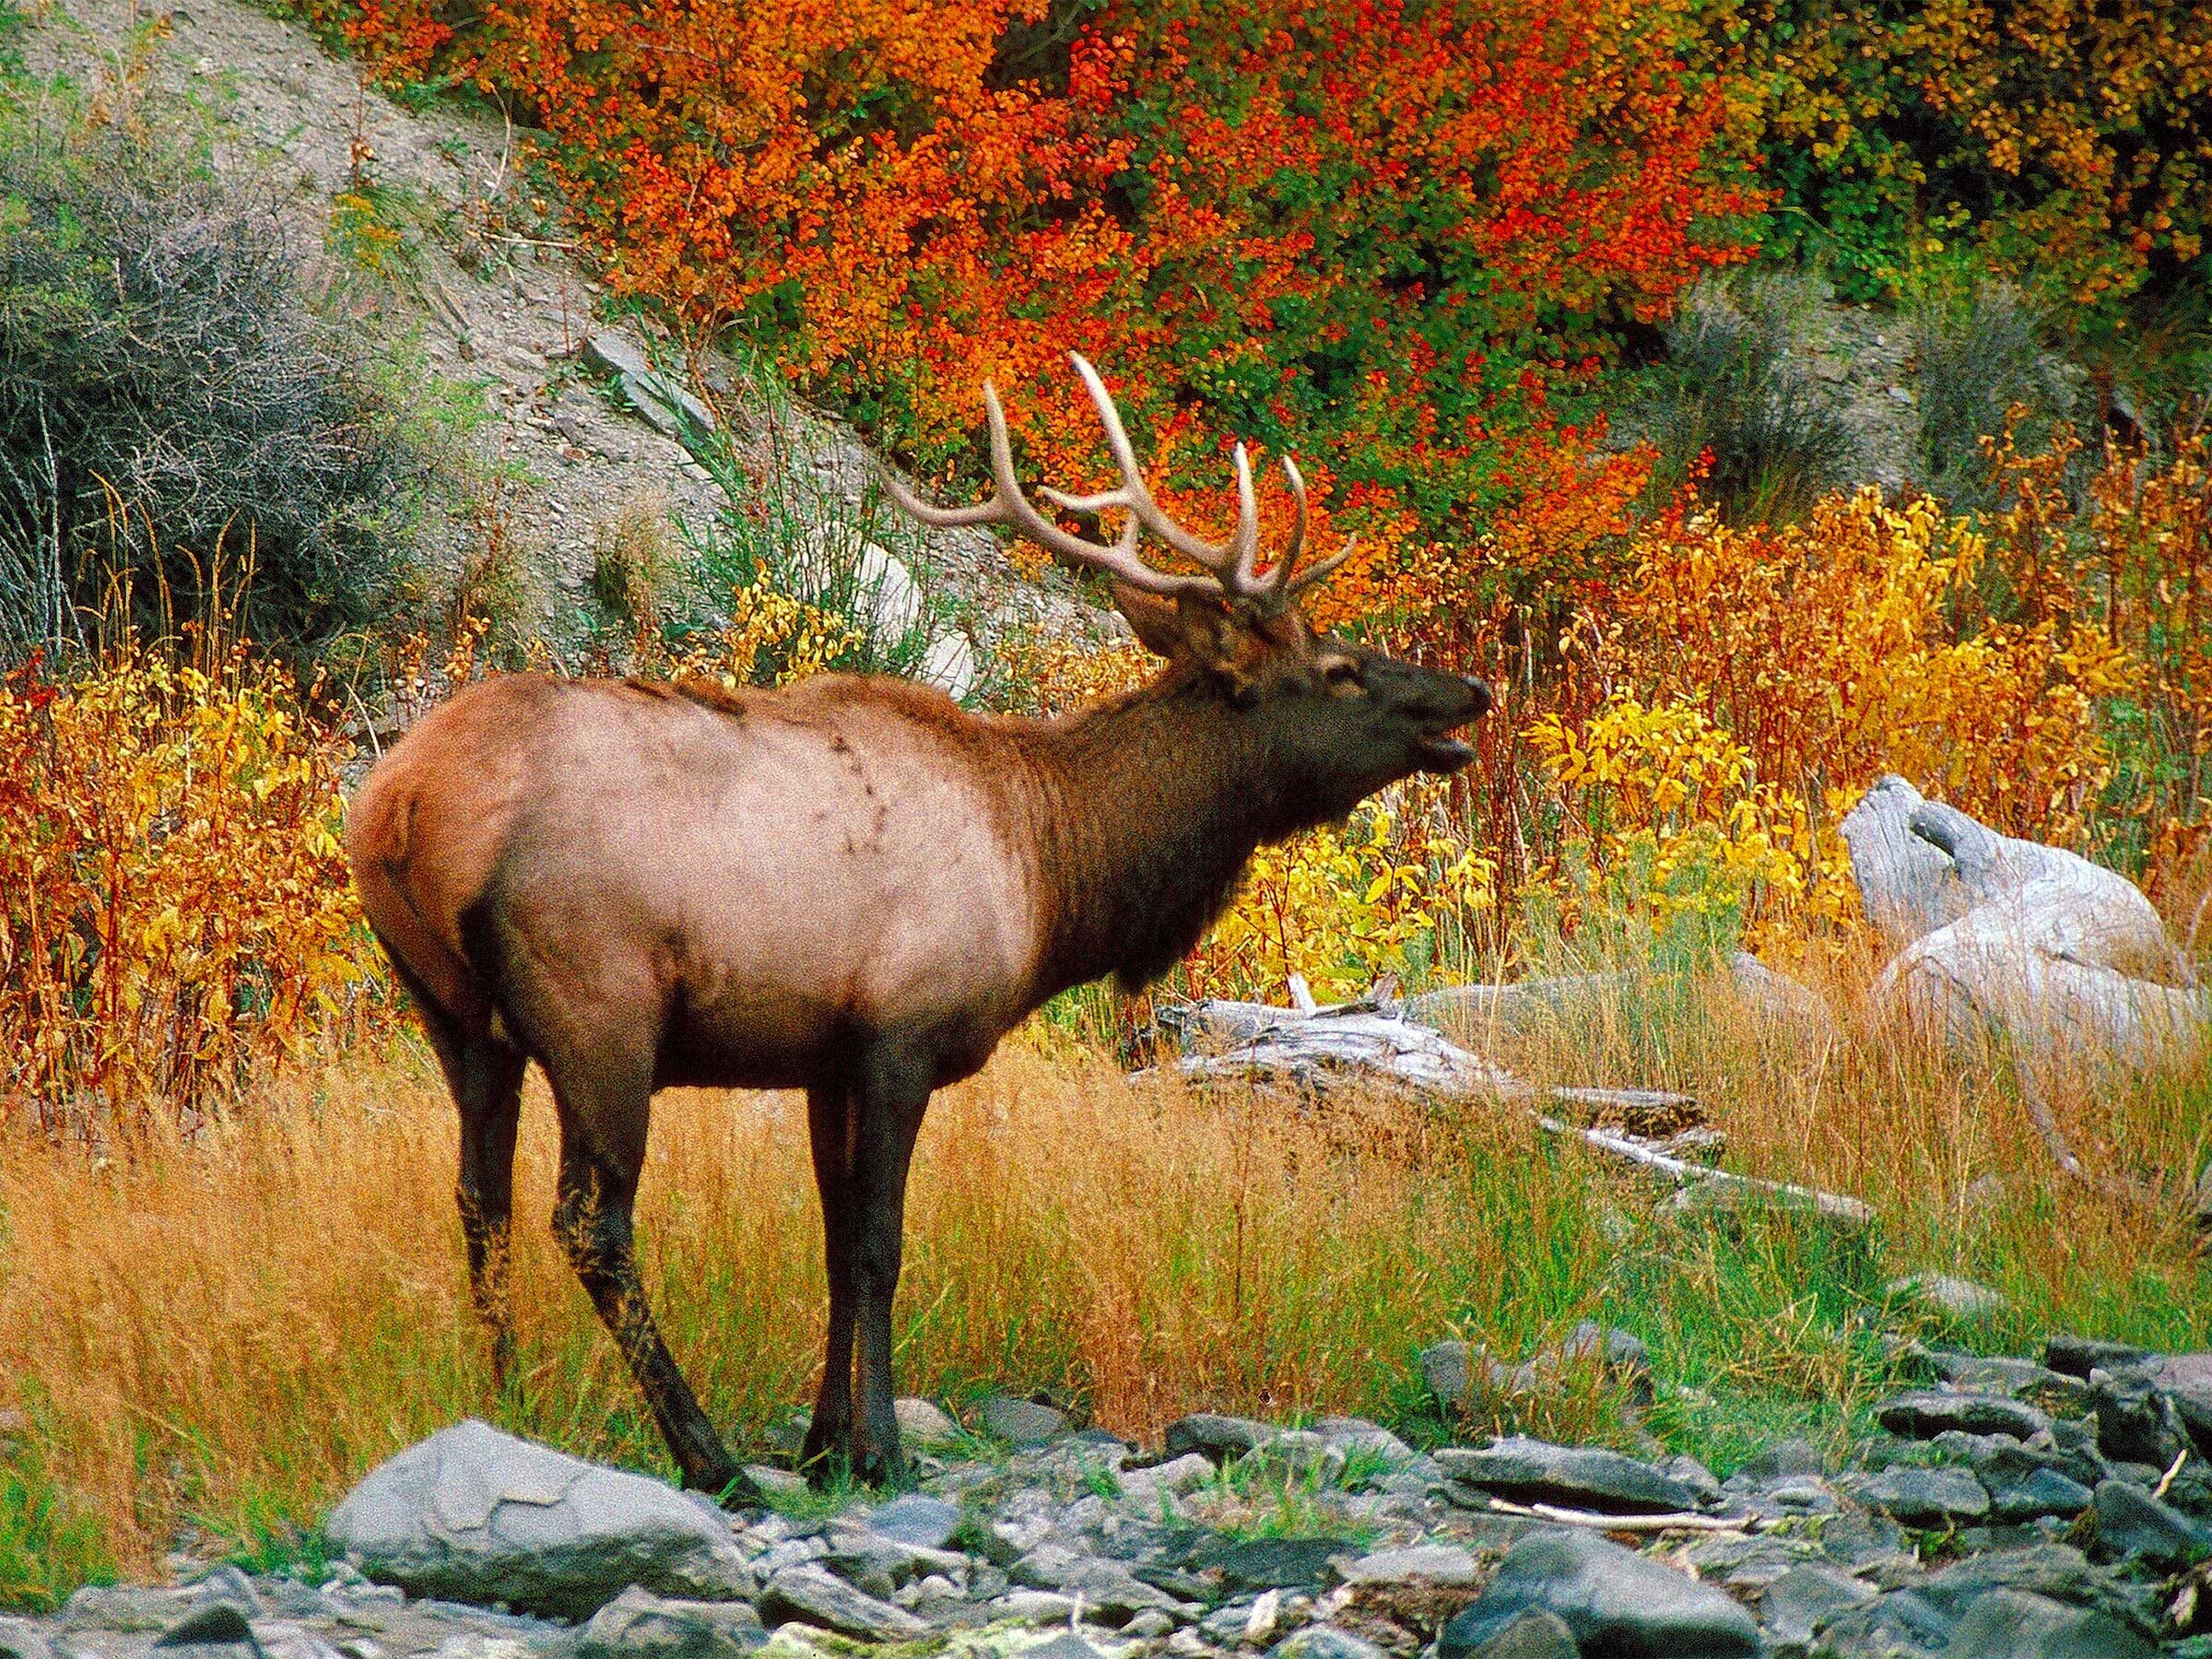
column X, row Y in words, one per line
column 1445, row 753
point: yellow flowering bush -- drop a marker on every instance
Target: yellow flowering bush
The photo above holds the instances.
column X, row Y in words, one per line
column 175, row 909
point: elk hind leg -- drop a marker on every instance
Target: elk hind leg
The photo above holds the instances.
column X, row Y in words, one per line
column 485, row 1077
column 603, row 1122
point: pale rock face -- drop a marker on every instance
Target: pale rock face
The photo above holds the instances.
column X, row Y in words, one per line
column 474, row 1514
column 2061, row 957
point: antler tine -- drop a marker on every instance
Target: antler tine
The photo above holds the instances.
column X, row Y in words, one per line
column 1009, row 506
column 1135, row 497
column 1278, row 579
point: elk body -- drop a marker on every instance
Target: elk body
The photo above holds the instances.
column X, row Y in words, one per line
column 850, row 887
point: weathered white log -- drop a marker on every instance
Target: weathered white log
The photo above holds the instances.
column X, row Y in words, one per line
column 2059, row 956
column 1355, row 1046
column 1834, row 1205
column 1680, row 1521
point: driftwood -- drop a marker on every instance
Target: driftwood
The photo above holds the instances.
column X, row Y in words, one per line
column 1355, row 1045
column 1680, row 1521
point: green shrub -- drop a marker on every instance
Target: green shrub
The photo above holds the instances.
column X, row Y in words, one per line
column 1980, row 357
column 1737, row 384
column 176, row 418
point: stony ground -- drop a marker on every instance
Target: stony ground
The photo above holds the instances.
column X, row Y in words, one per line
column 2009, row 1509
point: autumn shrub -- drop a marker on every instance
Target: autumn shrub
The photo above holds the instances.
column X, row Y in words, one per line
column 179, row 920
column 1392, row 238
column 2065, row 145
column 173, row 408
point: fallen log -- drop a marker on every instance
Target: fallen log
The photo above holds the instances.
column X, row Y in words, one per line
column 1354, row 1045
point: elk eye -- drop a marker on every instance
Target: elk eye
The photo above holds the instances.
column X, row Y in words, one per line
column 1341, row 676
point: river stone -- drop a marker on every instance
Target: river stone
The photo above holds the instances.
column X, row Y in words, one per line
column 1612, row 1600
column 1020, row 1423
column 1587, row 1476
column 2078, row 1356
column 1532, row 1633
column 20, row 1639
column 1267, row 1563
column 2187, row 1379
column 1925, row 1496
column 2022, row 1484
column 1441, row 1564
column 915, row 1518
column 1217, row 1437
column 1794, row 1606
column 924, row 1423
column 2013, row 1624
column 1321, row 1641
column 813, row 1596
column 639, row 1625
column 1926, row 1413
column 477, row 1515
column 217, row 1627
column 2129, row 1522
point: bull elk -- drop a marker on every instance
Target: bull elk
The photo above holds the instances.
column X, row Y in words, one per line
column 851, row 887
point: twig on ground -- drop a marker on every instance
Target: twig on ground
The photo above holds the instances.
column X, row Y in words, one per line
column 1675, row 1520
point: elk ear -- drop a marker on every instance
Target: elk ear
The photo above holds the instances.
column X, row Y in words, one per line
column 1199, row 632
column 1151, row 618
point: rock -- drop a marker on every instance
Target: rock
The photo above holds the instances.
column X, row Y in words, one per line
column 2136, row 1421
column 1454, row 1370
column 914, row 1518
column 1177, row 1476
column 1323, row 1641
column 128, row 1607
column 1587, row 1476
column 815, row 1598
column 1928, row 1412
column 1532, row 1633
column 777, row 1484
column 1612, row 1600
column 20, row 1639
column 2021, row 1486
column 2129, row 1522
column 2078, row 1356
column 1448, row 1369
column 1356, row 1437
column 1957, row 1298
column 949, row 664
column 1106, row 1588
column 1689, row 1472
column 639, row 1625
column 217, row 1628
column 1441, row 1564
column 880, row 1565
column 661, row 398
column 2186, row 1379
column 1267, row 1563
column 1020, row 1423
column 1066, row 1645
column 1217, row 1437
column 1300, row 1454
column 924, row 1424
column 2017, row 1378
column 1925, row 1496
column 2013, row 1624
column 1795, row 1605
column 476, row 1514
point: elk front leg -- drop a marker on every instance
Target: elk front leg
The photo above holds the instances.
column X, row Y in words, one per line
column 830, row 1121
column 888, row 1118
column 602, row 1151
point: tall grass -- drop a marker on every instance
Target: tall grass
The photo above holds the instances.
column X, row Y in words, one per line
column 215, row 1338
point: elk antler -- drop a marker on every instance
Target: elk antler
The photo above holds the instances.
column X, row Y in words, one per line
column 1231, row 563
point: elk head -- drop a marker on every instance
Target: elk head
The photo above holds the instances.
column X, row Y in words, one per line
column 1336, row 719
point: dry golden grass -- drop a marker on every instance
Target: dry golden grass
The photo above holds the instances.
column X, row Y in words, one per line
column 221, row 1336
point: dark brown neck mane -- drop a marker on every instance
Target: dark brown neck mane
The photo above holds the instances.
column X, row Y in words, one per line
column 1147, row 808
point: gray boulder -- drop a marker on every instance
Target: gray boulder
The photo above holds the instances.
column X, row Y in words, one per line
column 2014, row 1624
column 639, row 1625
column 1925, row 1496
column 1926, row 1413
column 917, row 1519
column 20, row 1639
column 474, row 1515
column 1020, row 1423
column 809, row 1596
column 1612, row 1600
column 1217, row 1436
column 2130, row 1522
column 1532, row 1633
column 1324, row 1642
column 1536, row 1471
column 1441, row 1564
